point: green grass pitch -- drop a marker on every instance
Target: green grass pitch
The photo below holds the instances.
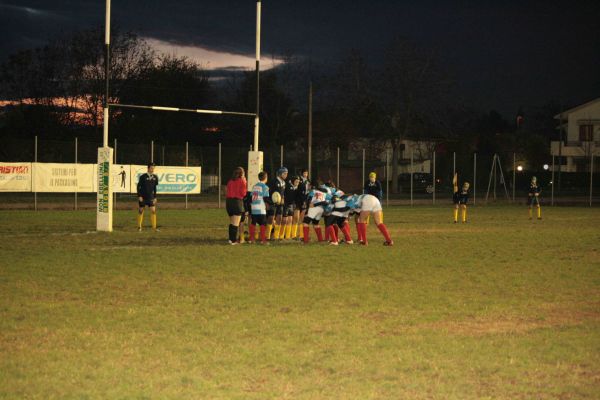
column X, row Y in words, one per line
column 499, row 308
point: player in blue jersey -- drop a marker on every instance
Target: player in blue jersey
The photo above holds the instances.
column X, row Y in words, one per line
column 342, row 206
column 259, row 204
column 317, row 200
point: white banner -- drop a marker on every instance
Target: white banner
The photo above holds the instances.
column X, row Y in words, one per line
column 121, row 178
column 104, row 203
column 69, row 178
column 171, row 180
column 15, row 177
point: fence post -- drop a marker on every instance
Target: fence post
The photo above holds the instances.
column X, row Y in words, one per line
column 591, row 176
column 219, row 185
column 186, row 164
column 514, row 174
column 76, row 173
column 552, row 189
column 35, row 158
column 363, row 168
column 387, row 177
column 412, row 169
column 474, row 177
column 281, row 155
column 337, row 178
column 114, row 162
column 453, row 163
column 152, row 151
column 434, row 177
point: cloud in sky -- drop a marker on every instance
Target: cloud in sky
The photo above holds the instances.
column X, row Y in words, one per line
column 212, row 59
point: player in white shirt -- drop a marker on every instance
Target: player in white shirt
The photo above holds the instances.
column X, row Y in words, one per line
column 369, row 204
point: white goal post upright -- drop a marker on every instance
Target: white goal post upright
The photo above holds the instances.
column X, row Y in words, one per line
column 104, row 200
column 255, row 157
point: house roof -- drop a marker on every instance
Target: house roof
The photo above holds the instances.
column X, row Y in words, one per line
column 579, row 107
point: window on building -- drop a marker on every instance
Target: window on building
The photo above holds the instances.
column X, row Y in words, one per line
column 586, row 133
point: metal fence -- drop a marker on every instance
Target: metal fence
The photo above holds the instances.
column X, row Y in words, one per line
column 420, row 179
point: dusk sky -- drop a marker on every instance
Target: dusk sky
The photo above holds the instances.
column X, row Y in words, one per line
column 502, row 54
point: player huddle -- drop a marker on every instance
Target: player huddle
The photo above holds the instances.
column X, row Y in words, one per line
column 287, row 208
column 280, row 206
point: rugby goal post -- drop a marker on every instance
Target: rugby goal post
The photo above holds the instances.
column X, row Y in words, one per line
column 104, row 200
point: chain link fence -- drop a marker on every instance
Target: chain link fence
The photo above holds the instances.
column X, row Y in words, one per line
column 420, row 177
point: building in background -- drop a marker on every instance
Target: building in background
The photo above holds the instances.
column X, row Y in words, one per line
column 580, row 133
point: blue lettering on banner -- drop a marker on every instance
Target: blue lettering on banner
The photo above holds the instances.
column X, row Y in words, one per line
column 174, row 182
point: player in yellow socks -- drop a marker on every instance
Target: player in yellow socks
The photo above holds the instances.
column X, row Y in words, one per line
column 146, row 191
column 289, row 210
column 304, row 189
column 534, row 198
column 275, row 213
column 460, row 199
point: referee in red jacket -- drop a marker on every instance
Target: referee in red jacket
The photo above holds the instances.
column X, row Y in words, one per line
column 236, row 190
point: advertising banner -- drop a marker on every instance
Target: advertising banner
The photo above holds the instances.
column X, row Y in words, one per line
column 121, row 178
column 171, row 180
column 15, row 177
column 67, row 178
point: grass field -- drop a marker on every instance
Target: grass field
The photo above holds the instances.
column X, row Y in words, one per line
column 500, row 308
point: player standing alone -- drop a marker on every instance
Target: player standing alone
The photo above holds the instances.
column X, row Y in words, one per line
column 534, row 197
column 146, row 191
column 460, row 199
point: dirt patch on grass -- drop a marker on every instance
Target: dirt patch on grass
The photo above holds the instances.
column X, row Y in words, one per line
column 547, row 316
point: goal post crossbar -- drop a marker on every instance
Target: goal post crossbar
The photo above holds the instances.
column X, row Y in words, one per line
column 176, row 109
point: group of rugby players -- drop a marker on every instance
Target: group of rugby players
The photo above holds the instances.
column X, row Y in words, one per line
column 280, row 206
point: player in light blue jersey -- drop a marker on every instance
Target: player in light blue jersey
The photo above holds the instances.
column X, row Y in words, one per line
column 259, row 204
column 342, row 207
column 317, row 200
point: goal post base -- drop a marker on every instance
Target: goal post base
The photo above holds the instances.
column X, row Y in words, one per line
column 104, row 200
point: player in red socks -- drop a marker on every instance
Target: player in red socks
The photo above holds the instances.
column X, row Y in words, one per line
column 369, row 204
column 317, row 200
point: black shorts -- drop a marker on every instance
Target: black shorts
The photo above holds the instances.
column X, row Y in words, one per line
column 533, row 200
column 234, row 207
column 275, row 210
column 457, row 198
column 307, row 220
column 335, row 220
column 301, row 205
column 149, row 202
column 260, row 219
column 288, row 210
